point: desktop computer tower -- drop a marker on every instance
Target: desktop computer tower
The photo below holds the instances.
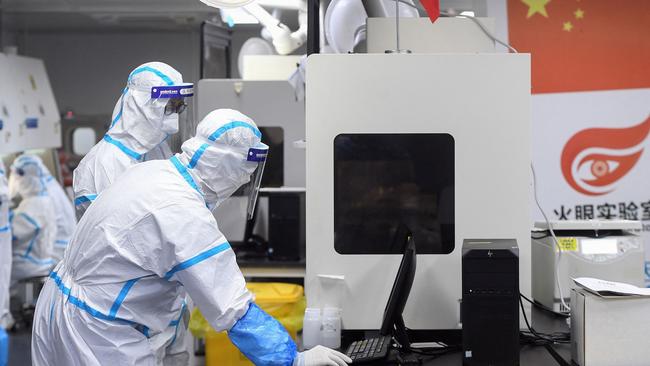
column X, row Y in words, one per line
column 490, row 306
column 286, row 236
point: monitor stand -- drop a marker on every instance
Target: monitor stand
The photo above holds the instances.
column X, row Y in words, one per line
column 399, row 333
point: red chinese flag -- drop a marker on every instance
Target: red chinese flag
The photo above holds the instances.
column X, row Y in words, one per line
column 432, row 7
column 580, row 45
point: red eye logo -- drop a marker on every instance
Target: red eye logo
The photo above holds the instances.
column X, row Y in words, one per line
column 596, row 158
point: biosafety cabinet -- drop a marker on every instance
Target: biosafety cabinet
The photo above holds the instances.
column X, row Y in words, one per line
column 29, row 116
column 438, row 142
column 606, row 249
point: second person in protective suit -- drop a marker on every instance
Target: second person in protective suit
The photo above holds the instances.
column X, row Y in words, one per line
column 5, row 250
column 33, row 224
column 145, row 115
column 144, row 243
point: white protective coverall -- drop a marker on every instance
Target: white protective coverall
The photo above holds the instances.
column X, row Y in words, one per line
column 33, row 225
column 139, row 127
column 65, row 216
column 5, row 250
column 144, row 243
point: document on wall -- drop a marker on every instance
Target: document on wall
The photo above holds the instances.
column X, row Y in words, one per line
column 606, row 288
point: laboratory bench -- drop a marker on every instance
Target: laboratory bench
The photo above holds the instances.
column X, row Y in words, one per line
column 529, row 355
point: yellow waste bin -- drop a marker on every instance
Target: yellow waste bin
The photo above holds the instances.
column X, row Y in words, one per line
column 285, row 302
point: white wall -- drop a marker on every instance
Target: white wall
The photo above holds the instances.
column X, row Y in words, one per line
column 88, row 70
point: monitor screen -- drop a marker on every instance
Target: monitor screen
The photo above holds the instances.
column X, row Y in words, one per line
column 384, row 180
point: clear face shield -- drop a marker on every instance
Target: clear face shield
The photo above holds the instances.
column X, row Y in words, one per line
column 256, row 158
column 176, row 106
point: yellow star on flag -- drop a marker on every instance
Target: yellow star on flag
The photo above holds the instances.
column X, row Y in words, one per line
column 536, row 6
column 567, row 26
column 579, row 13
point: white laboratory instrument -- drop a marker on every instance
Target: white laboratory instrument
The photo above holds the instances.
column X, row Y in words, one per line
column 478, row 105
column 608, row 249
column 454, row 35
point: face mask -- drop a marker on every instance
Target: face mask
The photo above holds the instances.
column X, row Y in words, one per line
column 169, row 124
column 14, row 190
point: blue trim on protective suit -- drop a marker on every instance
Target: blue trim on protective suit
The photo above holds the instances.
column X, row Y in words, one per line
column 38, row 230
column 82, row 304
column 122, row 147
column 197, row 259
column 185, row 174
column 263, row 339
column 164, row 77
column 4, row 229
column 229, row 126
column 197, row 155
column 27, row 256
column 61, row 243
column 177, row 322
column 120, row 297
column 86, row 198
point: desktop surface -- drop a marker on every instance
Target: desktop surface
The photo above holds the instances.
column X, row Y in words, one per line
column 529, row 355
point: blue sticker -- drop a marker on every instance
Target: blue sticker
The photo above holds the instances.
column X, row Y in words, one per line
column 257, row 154
column 172, row 91
column 31, row 122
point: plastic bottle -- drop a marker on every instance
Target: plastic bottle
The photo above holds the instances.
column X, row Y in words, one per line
column 311, row 328
column 331, row 329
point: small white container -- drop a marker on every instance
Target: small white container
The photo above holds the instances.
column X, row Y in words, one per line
column 311, row 328
column 331, row 329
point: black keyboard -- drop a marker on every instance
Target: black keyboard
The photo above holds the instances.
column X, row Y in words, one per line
column 367, row 350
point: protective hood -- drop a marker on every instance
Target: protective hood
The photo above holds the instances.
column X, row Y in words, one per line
column 27, row 178
column 217, row 155
column 139, row 123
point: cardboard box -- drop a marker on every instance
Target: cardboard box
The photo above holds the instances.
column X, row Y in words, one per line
column 609, row 330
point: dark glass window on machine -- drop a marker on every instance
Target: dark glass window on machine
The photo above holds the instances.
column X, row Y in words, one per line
column 384, row 180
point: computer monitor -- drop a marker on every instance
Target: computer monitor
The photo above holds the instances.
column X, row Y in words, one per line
column 393, row 322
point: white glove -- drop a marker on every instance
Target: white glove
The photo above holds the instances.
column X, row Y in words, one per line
column 321, row 356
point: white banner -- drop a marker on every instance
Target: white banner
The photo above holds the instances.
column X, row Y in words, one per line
column 591, row 153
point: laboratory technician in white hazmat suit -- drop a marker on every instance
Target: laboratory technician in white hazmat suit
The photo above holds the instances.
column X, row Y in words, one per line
column 145, row 115
column 33, row 222
column 149, row 239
